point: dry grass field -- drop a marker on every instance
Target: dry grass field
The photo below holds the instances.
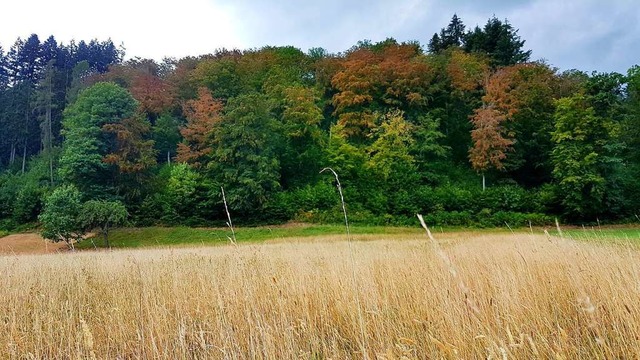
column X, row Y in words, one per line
column 499, row 296
column 28, row 243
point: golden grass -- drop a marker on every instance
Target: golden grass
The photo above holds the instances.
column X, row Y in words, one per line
column 504, row 296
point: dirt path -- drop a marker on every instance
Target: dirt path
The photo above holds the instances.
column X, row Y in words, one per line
column 30, row 243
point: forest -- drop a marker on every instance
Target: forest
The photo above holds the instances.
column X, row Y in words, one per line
column 466, row 129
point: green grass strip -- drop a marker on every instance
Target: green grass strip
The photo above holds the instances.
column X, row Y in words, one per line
column 175, row 236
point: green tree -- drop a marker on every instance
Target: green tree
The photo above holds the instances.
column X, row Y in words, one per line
column 85, row 145
column 60, row 217
column 220, row 76
column 632, row 119
column 301, row 118
column 456, row 91
column 188, row 197
column 583, row 157
column 104, row 215
column 245, row 149
column 4, row 75
column 390, row 152
column 79, row 75
column 27, row 198
column 166, row 135
column 606, row 92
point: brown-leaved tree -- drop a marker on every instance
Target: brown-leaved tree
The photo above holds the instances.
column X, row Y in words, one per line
column 202, row 115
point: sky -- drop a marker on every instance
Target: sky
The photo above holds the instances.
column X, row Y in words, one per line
column 589, row 35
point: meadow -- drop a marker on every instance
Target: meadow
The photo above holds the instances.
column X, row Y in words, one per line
column 381, row 296
column 189, row 236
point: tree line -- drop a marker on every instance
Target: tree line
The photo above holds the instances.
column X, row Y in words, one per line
column 470, row 131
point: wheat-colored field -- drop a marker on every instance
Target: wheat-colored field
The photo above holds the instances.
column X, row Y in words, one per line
column 473, row 296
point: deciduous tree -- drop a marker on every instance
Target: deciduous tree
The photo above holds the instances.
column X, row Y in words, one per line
column 60, row 218
column 393, row 77
column 582, row 157
column 85, row 144
column 133, row 151
column 104, row 215
column 244, row 157
column 490, row 143
column 202, row 115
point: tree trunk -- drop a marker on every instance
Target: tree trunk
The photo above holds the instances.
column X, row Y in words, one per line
column 484, row 184
column 51, row 168
column 105, row 235
column 12, row 155
column 168, row 157
column 26, row 131
column 24, row 156
column 50, row 129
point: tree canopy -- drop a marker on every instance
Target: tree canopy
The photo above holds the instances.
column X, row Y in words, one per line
column 407, row 130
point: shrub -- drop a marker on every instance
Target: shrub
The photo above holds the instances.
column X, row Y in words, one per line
column 451, row 198
column 504, row 198
column 28, row 203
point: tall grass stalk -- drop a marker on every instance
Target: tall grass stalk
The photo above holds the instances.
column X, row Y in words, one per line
column 229, row 223
column 363, row 341
column 452, row 270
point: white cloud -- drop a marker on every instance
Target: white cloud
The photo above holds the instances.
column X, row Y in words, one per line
column 148, row 28
column 580, row 34
column 585, row 34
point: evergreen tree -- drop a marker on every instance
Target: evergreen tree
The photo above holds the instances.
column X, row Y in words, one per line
column 500, row 41
column 44, row 105
column 25, row 69
column 25, row 60
column 452, row 35
column 4, row 74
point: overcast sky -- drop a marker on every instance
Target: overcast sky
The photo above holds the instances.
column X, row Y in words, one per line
column 584, row 34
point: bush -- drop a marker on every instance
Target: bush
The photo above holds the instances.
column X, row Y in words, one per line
column 512, row 219
column 403, row 203
column 151, row 210
column 504, row 198
column 449, row 218
column 28, row 203
column 187, row 198
column 452, row 199
column 322, row 195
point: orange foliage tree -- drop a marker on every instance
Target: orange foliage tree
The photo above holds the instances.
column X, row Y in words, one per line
column 373, row 81
column 518, row 103
column 140, row 77
column 153, row 94
column 202, row 115
column 134, row 152
column 468, row 72
column 489, row 142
